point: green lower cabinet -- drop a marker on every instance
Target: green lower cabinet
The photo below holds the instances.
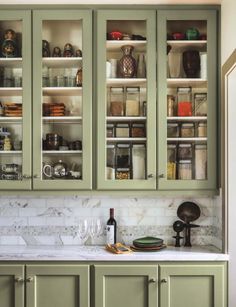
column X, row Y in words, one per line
column 12, row 285
column 57, row 286
column 200, row 285
column 126, row 286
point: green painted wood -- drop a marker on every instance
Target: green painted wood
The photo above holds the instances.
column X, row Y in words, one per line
column 24, row 16
column 86, row 17
column 57, row 285
column 162, row 17
column 193, row 285
column 150, row 18
column 11, row 292
column 120, row 285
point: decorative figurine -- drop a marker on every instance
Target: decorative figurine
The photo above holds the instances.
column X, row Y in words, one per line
column 56, row 52
column 9, row 46
column 78, row 53
column 68, row 50
column 45, row 49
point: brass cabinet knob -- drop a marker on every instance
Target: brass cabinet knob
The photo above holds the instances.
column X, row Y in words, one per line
column 26, row 176
column 19, row 279
column 152, row 280
column 161, row 176
column 150, row 176
column 30, row 279
column 164, row 280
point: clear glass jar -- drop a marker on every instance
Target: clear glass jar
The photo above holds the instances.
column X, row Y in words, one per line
column 184, row 97
column 138, row 130
column 117, row 101
column 171, row 161
column 202, row 130
column 185, row 151
column 138, row 161
column 123, row 155
column 201, row 162
column 171, row 106
column 110, row 130
column 172, row 130
column 122, row 130
column 187, row 130
column 185, row 170
column 200, row 104
column 111, row 160
column 132, row 103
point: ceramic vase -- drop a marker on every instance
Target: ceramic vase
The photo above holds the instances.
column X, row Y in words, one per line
column 127, row 64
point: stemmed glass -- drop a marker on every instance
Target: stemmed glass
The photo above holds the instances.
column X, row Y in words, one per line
column 83, row 230
column 95, row 228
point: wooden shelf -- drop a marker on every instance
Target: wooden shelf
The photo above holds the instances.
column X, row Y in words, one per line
column 126, row 139
column 181, row 45
column 115, row 45
column 194, row 139
column 10, row 91
column 62, row 152
column 62, row 119
column 65, row 62
column 11, row 62
column 125, row 118
column 187, row 118
column 182, row 82
column 62, row 91
column 126, row 81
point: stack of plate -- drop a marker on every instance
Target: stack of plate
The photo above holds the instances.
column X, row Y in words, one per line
column 148, row 244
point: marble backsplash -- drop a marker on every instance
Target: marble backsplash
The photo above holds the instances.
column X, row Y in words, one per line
column 54, row 220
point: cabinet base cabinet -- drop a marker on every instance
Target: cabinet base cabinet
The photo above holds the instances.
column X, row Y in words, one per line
column 192, row 285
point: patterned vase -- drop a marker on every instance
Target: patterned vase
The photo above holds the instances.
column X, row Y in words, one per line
column 127, row 64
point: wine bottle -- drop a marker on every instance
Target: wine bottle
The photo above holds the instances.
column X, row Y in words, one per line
column 111, row 228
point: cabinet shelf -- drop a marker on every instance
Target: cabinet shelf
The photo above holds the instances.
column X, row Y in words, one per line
column 6, row 119
column 126, row 139
column 62, row 91
column 10, row 91
column 115, row 45
column 10, row 152
column 194, row 139
column 181, row 45
column 63, row 152
column 56, row 62
column 11, row 62
column 62, row 119
column 193, row 82
column 187, row 118
column 126, row 81
column 125, row 118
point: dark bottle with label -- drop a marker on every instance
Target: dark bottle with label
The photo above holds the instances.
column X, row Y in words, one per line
column 111, row 228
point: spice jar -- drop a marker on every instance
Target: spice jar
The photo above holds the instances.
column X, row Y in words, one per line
column 202, row 130
column 184, row 101
column 171, row 107
column 200, row 104
column 201, row 162
column 122, row 130
column 132, row 104
column 138, row 161
column 185, row 170
column 187, row 130
column 185, row 151
column 172, row 130
column 138, row 130
column 117, row 101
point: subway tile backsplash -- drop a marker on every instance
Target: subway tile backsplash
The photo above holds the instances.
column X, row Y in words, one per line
column 54, row 220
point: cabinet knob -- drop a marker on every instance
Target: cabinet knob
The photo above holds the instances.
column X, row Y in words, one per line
column 152, row 280
column 161, row 176
column 26, row 176
column 36, row 176
column 30, row 279
column 19, row 279
column 150, row 176
column 164, row 280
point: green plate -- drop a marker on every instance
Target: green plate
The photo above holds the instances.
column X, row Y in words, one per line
column 148, row 241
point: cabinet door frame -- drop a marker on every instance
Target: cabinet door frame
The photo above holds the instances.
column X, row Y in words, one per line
column 216, row 271
column 150, row 17
column 16, row 271
column 150, row 271
column 211, row 17
column 81, row 271
column 86, row 182
column 25, row 17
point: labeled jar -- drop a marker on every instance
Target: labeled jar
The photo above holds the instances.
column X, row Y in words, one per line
column 202, row 130
column 122, row 130
column 185, row 151
column 172, row 130
column 132, row 103
column 187, row 130
column 201, row 162
column 138, row 161
column 185, row 169
column 117, row 101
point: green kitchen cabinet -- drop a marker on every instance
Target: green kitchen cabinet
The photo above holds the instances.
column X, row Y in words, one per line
column 12, row 285
column 15, row 100
column 126, row 100
column 62, row 100
column 126, row 285
column 193, row 285
column 187, row 99
column 57, row 285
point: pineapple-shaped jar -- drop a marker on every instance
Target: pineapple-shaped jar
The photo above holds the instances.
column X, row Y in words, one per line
column 127, row 64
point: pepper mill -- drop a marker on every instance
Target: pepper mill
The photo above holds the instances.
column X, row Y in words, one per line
column 178, row 226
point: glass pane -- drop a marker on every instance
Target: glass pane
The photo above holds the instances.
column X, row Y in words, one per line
column 126, row 103
column 187, row 100
column 62, row 100
column 11, row 100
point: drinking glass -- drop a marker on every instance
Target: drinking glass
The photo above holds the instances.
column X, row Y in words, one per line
column 83, row 230
column 95, row 228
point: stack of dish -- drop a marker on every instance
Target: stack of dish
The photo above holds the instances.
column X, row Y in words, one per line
column 147, row 244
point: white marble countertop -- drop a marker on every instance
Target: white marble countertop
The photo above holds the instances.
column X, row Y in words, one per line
column 98, row 253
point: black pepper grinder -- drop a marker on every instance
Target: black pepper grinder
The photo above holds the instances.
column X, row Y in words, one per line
column 178, row 226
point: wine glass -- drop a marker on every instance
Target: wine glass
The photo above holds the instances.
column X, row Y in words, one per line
column 95, row 228
column 83, row 230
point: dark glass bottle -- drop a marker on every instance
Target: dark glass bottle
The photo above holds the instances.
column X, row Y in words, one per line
column 111, row 228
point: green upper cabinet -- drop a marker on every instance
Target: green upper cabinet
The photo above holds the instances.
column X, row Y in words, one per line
column 62, row 99
column 129, row 286
column 126, row 99
column 12, row 285
column 15, row 100
column 193, row 285
column 57, row 285
column 187, row 99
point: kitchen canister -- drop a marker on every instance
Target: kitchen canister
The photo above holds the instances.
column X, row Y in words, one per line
column 203, row 63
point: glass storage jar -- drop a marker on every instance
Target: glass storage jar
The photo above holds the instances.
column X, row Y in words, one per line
column 171, row 161
column 185, row 151
column 122, row 130
column 111, row 160
column 184, row 97
column 187, row 130
column 110, row 130
column 132, row 103
column 117, row 101
column 123, row 155
column 138, row 161
column 185, row 170
column 172, row 130
column 171, row 106
column 202, row 130
column 200, row 104
column 201, row 161
column 138, row 130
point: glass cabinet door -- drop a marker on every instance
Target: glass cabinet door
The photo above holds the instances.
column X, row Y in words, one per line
column 187, row 88
column 62, row 43
column 126, row 99
column 15, row 100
